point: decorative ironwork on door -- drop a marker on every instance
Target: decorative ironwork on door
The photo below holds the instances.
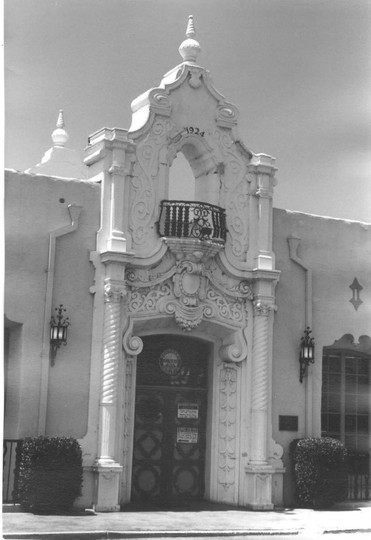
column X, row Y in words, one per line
column 170, row 420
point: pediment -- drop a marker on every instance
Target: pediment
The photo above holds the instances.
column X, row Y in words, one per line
column 188, row 97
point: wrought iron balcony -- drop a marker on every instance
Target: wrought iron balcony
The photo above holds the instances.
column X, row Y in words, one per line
column 194, row 220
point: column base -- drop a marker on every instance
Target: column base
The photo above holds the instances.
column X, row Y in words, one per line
column 258, row 493
column 107, row 479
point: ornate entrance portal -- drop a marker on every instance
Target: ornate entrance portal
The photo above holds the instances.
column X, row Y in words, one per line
column 170, row 421
column 201, row 267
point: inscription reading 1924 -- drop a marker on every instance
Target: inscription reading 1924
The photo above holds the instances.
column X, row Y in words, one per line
column 194, row 131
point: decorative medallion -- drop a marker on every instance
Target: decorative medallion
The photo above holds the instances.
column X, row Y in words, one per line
column 170, row 362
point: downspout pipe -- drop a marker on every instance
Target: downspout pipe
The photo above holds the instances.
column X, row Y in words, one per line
column 294, row 243
column 74, row 213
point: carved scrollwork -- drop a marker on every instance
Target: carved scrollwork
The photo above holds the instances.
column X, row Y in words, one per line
column 225, row 140
column 128, row 419
column 234, row 347
column 236, row 195
column 187, row 318
column 161, row 129
column 143, row 199
column 132, row 345
column 148, row 277
column 228, row 286
column 232, row 311
column 245, row 289
column 227, row 451
column 147, row 300
column 188, row 310
column 237, row 225
column 144, row 178
column 227, row 115
column 160, row 102
column 190, row 290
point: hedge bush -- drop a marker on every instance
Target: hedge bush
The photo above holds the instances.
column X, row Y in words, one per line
column 49, row 477
column 320, row 471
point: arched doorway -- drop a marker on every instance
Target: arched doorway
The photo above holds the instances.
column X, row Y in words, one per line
column 170, row 421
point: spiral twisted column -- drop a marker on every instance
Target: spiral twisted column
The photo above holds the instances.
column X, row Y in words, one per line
column 113, row 293
column 260, row 386
column 259, row 477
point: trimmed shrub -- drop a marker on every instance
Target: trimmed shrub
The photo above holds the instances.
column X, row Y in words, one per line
column 320, row 471
column 49, row 475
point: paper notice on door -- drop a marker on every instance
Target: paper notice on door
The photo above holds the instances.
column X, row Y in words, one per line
column 187, row 410
column 187, row 435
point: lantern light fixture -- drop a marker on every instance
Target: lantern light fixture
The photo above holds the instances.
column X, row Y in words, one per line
column 58, row 331
column 306, row 352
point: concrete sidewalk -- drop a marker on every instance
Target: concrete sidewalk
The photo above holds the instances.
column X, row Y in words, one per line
column 229, row 522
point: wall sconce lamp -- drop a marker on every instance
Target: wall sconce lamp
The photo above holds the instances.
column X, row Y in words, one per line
column 58, row 332
column 306, row 352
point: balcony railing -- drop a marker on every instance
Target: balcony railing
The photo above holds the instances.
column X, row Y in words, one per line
column 195, row 220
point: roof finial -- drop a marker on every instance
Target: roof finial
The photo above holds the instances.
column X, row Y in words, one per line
column 60, row 135
column 190, row 32
column 60, row 121
column 190, row 48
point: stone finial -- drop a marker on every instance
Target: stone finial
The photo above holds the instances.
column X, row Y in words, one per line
column 60, row 135
column 190, row 32
column 60, row 161
column 190, row 48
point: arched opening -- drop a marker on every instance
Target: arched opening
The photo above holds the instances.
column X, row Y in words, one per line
column 182, row 184
column 193, row 175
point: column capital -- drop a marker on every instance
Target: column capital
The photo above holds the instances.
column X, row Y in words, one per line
column 116, row 169
column 263, row 309
column 114, row 291
column 264, row 192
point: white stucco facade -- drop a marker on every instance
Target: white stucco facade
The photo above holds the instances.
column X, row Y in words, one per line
column 130, row 261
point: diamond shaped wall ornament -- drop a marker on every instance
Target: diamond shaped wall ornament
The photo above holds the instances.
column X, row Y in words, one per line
column 356, row 289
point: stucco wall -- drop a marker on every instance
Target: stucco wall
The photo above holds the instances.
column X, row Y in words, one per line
column 336, row 251
column 36, row 205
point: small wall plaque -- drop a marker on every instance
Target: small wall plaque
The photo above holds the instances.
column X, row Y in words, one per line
column 288, row 423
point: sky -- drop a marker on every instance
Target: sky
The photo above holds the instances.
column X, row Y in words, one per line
column 299, row 72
